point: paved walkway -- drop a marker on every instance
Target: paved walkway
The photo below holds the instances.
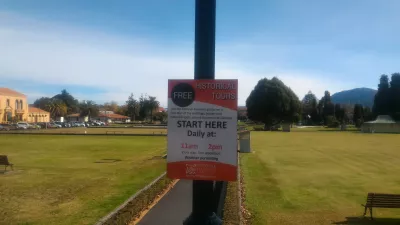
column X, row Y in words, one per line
column 173, row 208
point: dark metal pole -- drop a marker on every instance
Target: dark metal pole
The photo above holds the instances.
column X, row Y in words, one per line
column 204, row 68
column 204, row 47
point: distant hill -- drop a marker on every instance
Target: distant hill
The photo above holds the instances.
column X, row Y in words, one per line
column 364, row 96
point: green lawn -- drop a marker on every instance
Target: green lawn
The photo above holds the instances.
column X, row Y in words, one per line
column 58, row 179
column 315, row 178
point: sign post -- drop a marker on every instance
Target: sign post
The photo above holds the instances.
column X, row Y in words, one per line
column 202, row 123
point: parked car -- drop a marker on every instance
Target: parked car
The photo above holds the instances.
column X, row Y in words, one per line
column 58, row 123
column 35, row 126
column 17, row 126
column 78, row 124
column 66, row 124
column 23, row 124
column 96, row 123
column 50, row 125
column 55, row 125
column 4, row 128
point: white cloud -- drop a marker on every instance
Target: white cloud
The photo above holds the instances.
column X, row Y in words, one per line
column 49, row 54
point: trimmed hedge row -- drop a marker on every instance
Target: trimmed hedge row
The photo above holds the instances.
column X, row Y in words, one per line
column 232, row 214
column 132, row 208
column 231, row 207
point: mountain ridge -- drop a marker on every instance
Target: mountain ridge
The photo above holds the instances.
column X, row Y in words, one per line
column 364, row 96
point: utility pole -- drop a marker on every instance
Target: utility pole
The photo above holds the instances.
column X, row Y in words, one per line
column 204, row 68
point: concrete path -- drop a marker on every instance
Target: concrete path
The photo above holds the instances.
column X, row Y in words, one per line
column 173, row 208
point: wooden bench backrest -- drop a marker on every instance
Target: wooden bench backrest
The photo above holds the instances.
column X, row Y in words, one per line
column 383, row 200
column 4, row 160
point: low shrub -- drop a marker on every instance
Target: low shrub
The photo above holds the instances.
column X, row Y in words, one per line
column 231, row 206
column 139, row 203
column 332, row 122
column 258, row 128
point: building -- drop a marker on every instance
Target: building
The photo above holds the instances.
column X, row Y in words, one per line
column 112, row 117
column 104, row 116
column 160, row 109
column 36, row 115
column 242, row 112
column 13, row 106
column 76, row 117
column 382, row 124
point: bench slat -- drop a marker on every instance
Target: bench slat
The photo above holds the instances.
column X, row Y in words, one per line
column 384, row 202
column 379, row 194
column 383, row 199
column 383, row 206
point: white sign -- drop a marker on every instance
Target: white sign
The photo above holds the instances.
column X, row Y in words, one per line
column 202, row 129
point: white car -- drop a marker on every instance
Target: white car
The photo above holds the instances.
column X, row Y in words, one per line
column 78, row 124
column 97, row 123
column 23, row 125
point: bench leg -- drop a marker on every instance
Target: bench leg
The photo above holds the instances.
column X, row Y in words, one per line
column 370, row 210
column 365, row 211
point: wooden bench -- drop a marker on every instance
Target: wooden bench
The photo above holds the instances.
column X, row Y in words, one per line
column 378, row 200
column 4, row 161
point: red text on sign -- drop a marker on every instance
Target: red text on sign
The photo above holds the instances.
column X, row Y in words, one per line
column 214, row 147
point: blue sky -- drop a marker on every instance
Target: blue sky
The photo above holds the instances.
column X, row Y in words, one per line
column 105, row 50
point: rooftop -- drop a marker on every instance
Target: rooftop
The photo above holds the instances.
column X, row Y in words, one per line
column 383, row 119
column 113, row 116
column 36, row 110
column 8, row 92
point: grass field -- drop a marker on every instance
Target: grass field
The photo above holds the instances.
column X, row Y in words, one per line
column 65, row 179
column 102, row 130
column 315, row 178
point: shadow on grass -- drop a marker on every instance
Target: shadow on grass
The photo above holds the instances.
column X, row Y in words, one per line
column 367, row 221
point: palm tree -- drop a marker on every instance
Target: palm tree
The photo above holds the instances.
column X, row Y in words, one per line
column 153, row 104
column 56, row 108
column 89, row 109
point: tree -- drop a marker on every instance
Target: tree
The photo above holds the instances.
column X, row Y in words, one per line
column 111, row 106
column 148, row 104
column 160, row 116
column 153, row 105
column 310, row 109
column 329, row 108
column 132, row 107
column 340, row 113
column 122, row 110
column 382, row 97
column 272, row 102
column 358, row 116
column 394, row 99
column 55, row 107
column 144, row 105
column 42, row 103
column 89, row 109
column 368, row 115
column 71, row 103
column 326, row 107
